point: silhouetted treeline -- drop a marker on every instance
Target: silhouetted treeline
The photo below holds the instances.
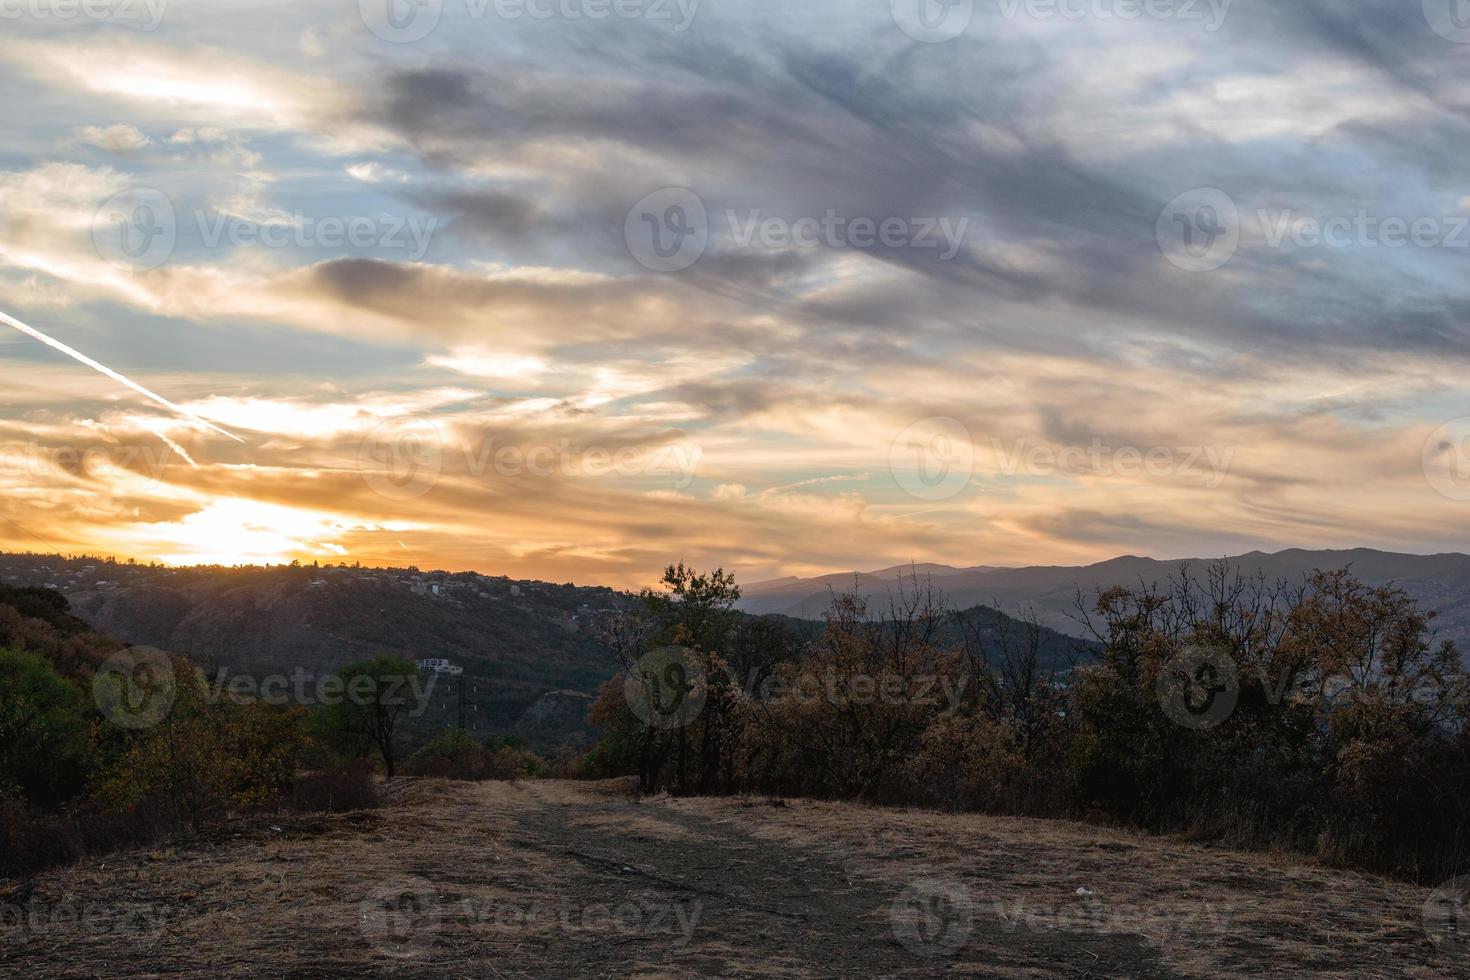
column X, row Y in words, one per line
column 1317, row 716
column 102, row 745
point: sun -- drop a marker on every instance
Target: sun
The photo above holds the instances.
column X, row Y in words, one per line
column 248, row 532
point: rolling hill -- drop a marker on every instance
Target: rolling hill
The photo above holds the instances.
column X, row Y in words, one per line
column 1439, row 582
column 532, row 661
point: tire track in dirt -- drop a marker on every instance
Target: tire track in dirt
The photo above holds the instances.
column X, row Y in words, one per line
column 761, row 912
column 774, row 910
column 534, row 880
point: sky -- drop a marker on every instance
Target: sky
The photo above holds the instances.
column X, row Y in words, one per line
column 572, row 289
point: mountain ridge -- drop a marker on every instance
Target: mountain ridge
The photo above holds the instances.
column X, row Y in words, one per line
column 1440, row 581
column 532, row 662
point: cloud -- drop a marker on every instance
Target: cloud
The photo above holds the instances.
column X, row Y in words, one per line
column 527, row 324
column 118, row 138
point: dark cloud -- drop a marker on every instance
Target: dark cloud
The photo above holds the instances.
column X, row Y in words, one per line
column 795, row 129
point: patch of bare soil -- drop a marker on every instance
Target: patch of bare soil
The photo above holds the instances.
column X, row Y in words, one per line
column 560, row 880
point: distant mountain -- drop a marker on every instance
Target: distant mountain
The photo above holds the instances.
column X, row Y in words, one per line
column 532, row 664
column 1439, row 582
column 530, row 661
column 840, row 580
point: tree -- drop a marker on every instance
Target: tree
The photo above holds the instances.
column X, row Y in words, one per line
column 695, row 610
column 451, row 754
column 43, row 744
column 377, row 695
column 204, row 759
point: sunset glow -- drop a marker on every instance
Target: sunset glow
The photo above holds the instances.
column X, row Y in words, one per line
column 420, row 288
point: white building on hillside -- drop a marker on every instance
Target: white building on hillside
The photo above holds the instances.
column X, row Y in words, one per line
column 438, row 665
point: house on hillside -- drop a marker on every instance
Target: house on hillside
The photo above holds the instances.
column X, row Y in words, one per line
column 439, row 665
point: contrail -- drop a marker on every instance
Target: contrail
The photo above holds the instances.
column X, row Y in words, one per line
column 104, row 369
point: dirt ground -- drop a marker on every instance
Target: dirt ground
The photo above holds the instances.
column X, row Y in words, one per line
column 549, row 879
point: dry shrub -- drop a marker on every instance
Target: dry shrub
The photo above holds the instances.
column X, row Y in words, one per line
column 455, row 754
column 1346, row 736
column 967, row 764
column 347, row 786
column 32, row 840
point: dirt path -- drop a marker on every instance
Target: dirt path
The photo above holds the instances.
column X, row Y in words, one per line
column 563, row 880
column 771, row 909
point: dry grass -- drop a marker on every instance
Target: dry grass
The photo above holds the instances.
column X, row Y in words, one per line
column 1210, row 912
column 796, row 890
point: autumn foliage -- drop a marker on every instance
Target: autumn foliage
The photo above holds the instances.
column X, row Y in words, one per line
column 1318, row 716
